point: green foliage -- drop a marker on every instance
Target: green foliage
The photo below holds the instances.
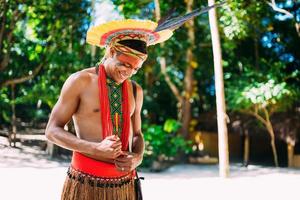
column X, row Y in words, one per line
column 276, row 96
column 49, row 34
column 231, row 21
column 163, row 143
column 267, row 93
column 171, row 125
column 240, row 18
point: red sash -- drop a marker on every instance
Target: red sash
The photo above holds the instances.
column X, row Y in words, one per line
column 93, row 167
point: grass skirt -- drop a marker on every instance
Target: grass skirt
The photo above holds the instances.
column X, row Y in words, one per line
column 82, row 186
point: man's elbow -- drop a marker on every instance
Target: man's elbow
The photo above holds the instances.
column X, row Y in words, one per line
column 49, row 133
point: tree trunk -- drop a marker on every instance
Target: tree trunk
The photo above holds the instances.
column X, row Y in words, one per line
column 12, row 135
column 290, row 152
column 267, row 123
column 163, row 67
column 246, row 148
column 3, row 22
column 220, row 96
column 9, row 37
column 51, row 150
column 272, row 135
column 273, row 145
column 188, row 79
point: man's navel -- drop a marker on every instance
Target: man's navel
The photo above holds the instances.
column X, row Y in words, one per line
column 96, row 110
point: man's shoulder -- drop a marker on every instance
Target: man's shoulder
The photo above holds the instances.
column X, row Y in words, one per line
column 81, row 77
column 79, row 80
column 139, row 89
column 132, row 82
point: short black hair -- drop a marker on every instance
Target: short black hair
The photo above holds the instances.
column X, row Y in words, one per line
column 138, row 45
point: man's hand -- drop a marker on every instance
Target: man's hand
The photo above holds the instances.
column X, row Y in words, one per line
column 128, row 161
column 108, row 149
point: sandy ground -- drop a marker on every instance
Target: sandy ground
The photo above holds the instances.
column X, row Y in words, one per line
column 28, row 174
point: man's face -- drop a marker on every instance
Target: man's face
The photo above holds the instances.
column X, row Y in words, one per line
column 124, row 66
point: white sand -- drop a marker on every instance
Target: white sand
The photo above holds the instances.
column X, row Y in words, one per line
column 27, row 175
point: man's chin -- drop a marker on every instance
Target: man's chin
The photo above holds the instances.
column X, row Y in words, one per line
column 120, row 78
column 119, row 81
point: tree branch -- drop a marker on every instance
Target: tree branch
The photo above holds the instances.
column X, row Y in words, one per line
column 162, row 61
column 24, row 78
column 260, row 118
column 172, row 86
column 283, row 11
column 267, row 115
column 255, row 114
column 276, row 8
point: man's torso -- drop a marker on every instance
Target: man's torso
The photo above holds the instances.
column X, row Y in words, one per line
column 87, row 119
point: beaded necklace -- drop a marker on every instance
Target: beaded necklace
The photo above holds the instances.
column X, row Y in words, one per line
column 115, row 101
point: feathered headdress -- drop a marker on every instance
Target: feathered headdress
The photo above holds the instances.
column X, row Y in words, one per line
column 171, row 23
column 111, row 33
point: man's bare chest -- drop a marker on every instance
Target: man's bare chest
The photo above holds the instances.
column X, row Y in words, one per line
column 89, row 104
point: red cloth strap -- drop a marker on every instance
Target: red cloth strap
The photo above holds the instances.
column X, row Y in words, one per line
column 107, row 127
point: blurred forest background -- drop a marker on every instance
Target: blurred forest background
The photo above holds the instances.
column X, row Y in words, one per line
column 43, row 42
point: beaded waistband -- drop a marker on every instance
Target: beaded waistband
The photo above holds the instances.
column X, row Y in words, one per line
column 95, row 181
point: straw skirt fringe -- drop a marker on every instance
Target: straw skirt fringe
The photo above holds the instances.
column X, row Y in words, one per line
column 80, row 186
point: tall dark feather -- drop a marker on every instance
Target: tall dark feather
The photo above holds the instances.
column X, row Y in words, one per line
column 176, row 22
column 169, row 14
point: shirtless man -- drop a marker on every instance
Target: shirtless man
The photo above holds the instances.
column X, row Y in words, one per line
column 106, row 110
column 79, row 99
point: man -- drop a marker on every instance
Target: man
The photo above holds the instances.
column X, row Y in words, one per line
column 105, row 107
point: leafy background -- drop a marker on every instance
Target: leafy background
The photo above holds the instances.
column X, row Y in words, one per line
column 43, row 42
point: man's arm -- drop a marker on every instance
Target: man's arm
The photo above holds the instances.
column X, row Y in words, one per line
column 62, row 112
column 138, row 139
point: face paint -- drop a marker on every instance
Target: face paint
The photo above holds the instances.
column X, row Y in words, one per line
column 131, row 63
column 125, row 66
